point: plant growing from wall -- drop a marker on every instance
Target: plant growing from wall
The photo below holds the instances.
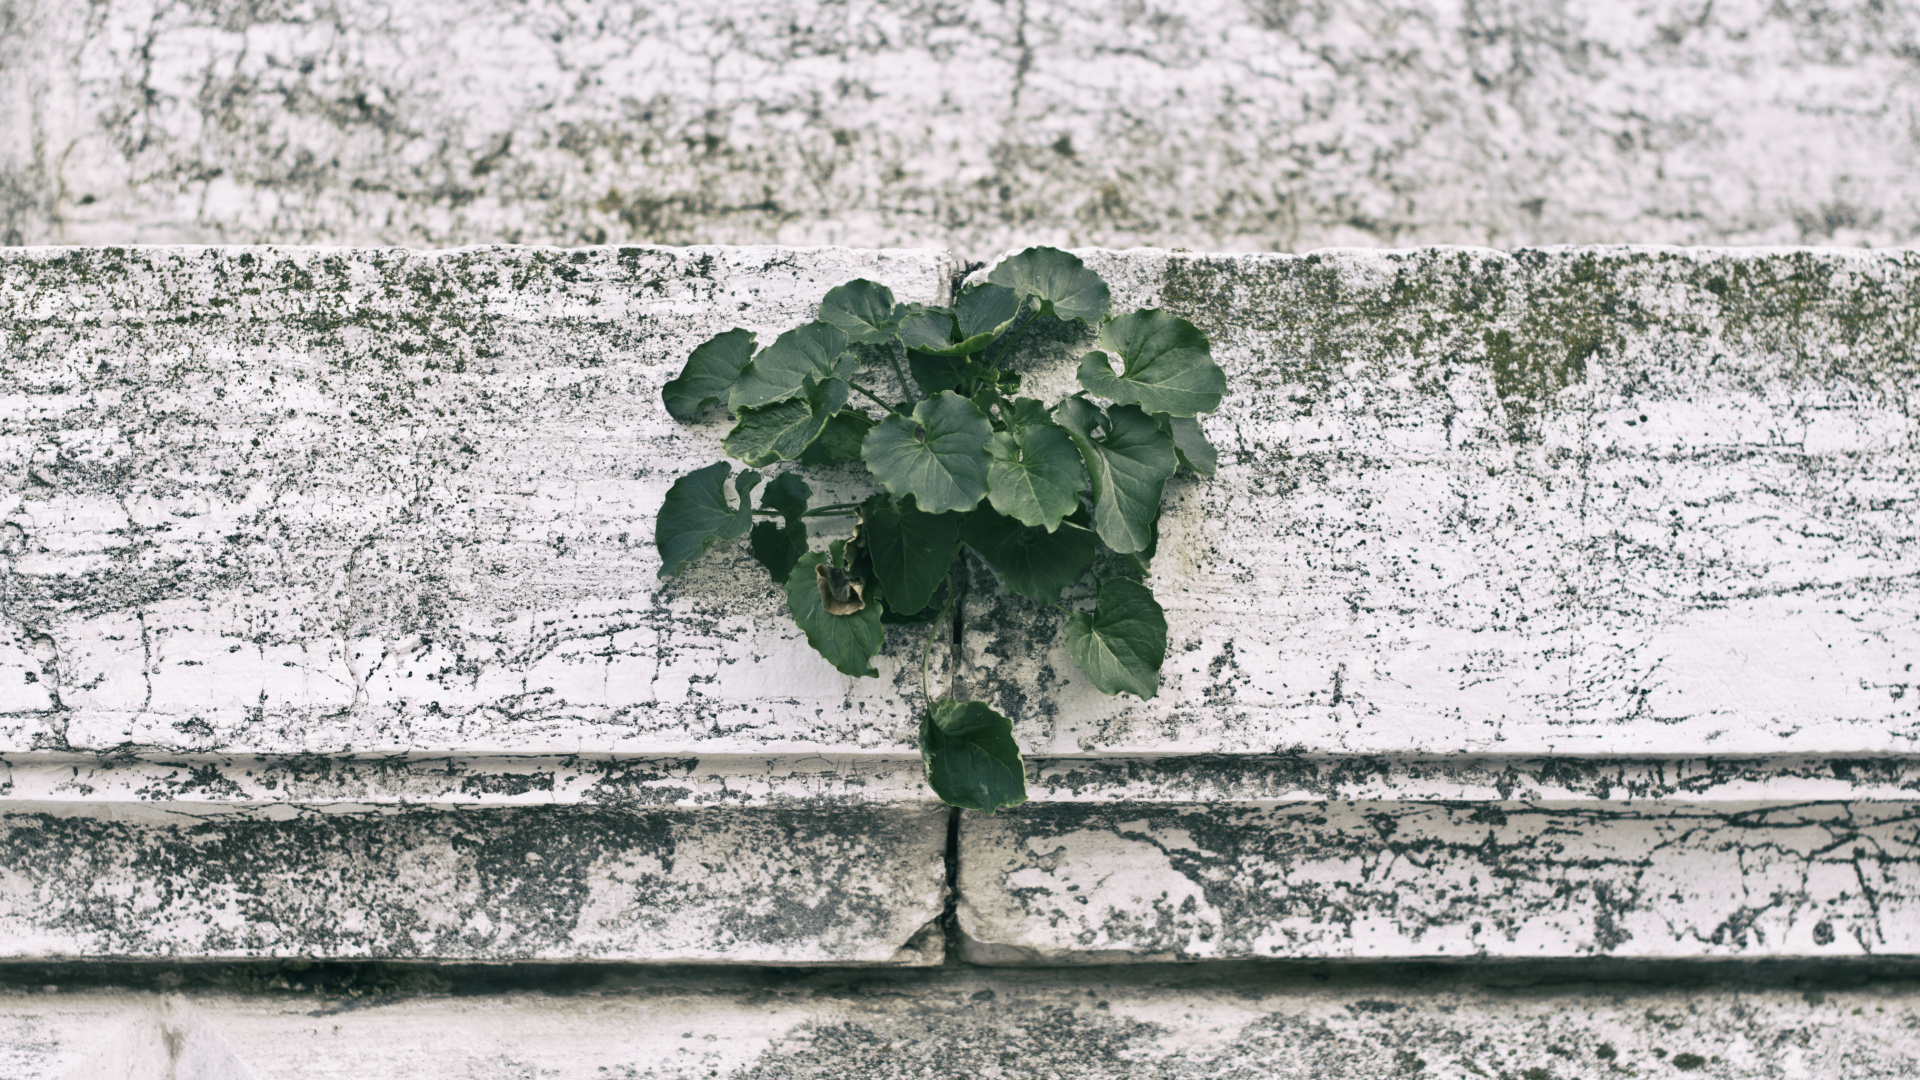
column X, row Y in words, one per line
column 965, row 468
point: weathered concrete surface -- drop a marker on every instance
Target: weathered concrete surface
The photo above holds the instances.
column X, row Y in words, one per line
column 1566, row 502
column 964, row 1025
column 301, row 501
column 1218, row 125
column 1100, row 883
column 744, row 885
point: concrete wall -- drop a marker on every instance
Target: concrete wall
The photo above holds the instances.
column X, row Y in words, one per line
column 1549, row 606
column 971, row 124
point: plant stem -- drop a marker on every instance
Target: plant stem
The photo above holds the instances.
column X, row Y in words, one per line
column 909, row 389
column 876, row 399
column 1007, row 349
column 836, row 510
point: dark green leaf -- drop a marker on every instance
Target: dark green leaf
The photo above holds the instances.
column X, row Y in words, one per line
column 1032, row 562
column 937, row 456
column 1169, row 367
column 911, row 551
column 927, row 328
column 1190, row 443
column 923, row 616
column 1059, row 284
column 936, row 332
column 695, row 515
column 817, row 350
column 1127, row 467
column 1123, row 641
column 840, row 440
column 1035, row 475
column 972, row 760
column 782, row 430
column 786, row 495
column 849, row 642
column 936, row 373
column 709, row 374
column 986, row 309
column 779, row 545
column 863, row 310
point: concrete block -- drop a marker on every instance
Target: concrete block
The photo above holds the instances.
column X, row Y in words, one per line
column 1107, row 883
column 957, row 1024
column 1245, row 126
column 791, row 885
column 292, row 501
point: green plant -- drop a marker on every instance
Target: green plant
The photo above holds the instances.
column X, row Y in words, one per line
column 964, row 465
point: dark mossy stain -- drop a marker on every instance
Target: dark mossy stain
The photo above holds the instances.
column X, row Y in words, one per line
column 483, row 883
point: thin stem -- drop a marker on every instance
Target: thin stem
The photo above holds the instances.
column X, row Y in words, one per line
column 1007, row 349
column 836, row 510
column 877, row 399
column 909, row 389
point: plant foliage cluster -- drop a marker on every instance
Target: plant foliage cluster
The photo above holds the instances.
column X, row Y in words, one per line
column 963, row 464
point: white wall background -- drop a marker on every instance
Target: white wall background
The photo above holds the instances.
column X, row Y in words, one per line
column 975, row 124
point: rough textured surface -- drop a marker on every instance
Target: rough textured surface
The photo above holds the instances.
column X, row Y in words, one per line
column 1573, row 501
column 1361, row 879
column 777, row 886
column 286, row 501
column 1225, row 125
column 960, row 1025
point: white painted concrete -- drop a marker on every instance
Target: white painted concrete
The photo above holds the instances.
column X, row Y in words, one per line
column 1210, row 124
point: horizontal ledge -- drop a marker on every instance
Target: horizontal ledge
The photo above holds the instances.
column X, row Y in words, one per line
column 353, row 782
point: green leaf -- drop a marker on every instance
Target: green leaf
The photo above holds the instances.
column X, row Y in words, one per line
column 1169, row 367
column 937, row 456
column 986, row 309
column 817, row 350
column 911, row 551
column 863, row 310
column 695, row 515
column 936, row 332
column 1035, row 475
column 779, row 545
column 1127, row 467
column 936, row 373
column 782, row 430
column 972, row 760
column 849, row 642
column 1059, row 284
column 709, row 374
column 1190, row 443
column 1030, row 561
column 1123, row 641
column 839, row 440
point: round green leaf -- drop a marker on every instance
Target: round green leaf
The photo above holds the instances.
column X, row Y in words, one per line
column 985, row 309
column 1035, row 474
column 709, row 374
column 937, row 455
column 695, row 515
column 1123, row 641
column 1059, row 284
column 911, row 551
column 935, row 331
column 1169, row 366
column 817, row 350
column 782, row 430
column 1127, row 467
column 971, row 758
column 849, row 642
column 863, row 310
column 1030, row 561
column 935, row 373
